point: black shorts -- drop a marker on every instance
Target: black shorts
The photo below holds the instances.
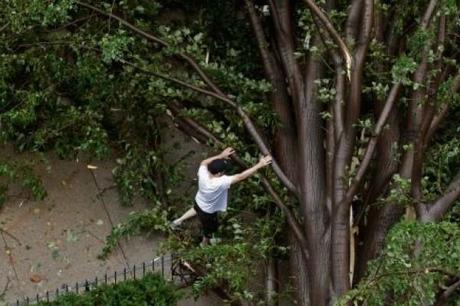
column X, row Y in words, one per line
column 209, row 221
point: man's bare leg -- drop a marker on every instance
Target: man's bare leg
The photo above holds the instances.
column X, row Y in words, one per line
column 205, row 241
column 187, row 215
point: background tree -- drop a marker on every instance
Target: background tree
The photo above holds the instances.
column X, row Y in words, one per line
column 356, row 101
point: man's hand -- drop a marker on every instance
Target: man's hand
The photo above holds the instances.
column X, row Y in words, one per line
column 265, row 161
column 227, row 152
column 224, row 154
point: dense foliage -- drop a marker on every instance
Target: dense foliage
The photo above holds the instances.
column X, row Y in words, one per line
column 235, row 261
column 152, row 290
column 19, row 173
column 145, row 222
column 418, row 259
column 109, row 79
column 79, row 97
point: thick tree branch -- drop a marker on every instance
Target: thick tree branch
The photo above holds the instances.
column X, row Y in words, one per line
column 364, row 165
column 285, row 143
column 443, row 271
column 267, row 57
column 338, row 109
column 330, row 148
column 341, row 233
column 439, row 207
column 414, row 112
column 316, row 11
column 415, row 109
column 444, row 297
column 339, row 101
column 424, row 115
column 2, row 28
column 354, row 16
column 436, row 121
column 439, row 117
column 354, row 104
column 282, row 69
column 216, row 93
column 157, row 40
column 181, row 83
column 428, row 14
column 430, row 108
column 382, row 218
column 281, row 16
column 386, row 164
column 292, row 222
column 285, row 140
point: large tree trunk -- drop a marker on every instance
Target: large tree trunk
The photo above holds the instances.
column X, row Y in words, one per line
column 312, row 182
column 299, row 273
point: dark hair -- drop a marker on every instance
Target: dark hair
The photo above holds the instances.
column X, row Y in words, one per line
column 217, row 166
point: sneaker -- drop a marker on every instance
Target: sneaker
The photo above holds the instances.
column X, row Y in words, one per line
column 203, row 244
column 214, row 241
column 175, row 226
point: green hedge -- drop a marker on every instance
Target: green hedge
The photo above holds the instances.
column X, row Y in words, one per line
column 150, row 290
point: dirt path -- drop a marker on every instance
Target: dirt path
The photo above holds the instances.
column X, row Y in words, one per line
column 46, row 244
column 55, row 241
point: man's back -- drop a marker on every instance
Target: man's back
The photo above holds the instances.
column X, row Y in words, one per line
column 212, row 191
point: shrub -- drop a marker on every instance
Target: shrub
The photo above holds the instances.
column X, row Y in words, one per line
column 152, row 289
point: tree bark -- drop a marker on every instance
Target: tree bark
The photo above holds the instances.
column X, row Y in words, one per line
column 380, row 219
column 312, row 185
column 299, row 272
column 341, row 208
column 438, row 208
column 300, row 138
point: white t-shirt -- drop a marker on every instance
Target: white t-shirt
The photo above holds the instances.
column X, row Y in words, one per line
column 212, row 191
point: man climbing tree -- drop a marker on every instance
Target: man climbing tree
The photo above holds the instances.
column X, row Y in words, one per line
column 357, row 102
column 212, row 195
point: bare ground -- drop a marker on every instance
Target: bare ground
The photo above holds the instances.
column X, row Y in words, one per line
column 46, row 244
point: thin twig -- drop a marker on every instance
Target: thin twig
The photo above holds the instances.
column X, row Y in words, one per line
column 10, row 257
column 111, row 11
column 4, row 27
column 104, row 206
column 72, row 23
column 5, row 289
column 11, row 236
column 417, row 271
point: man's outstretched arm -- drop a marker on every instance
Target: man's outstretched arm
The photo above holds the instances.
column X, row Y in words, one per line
column 263, row 162
column 224, row 154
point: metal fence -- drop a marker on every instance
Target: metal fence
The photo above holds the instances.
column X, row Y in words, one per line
column 163, row 265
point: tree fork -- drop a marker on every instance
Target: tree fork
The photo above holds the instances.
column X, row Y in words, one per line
column 341, row 208
column 381, row 220
column 316, row 11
